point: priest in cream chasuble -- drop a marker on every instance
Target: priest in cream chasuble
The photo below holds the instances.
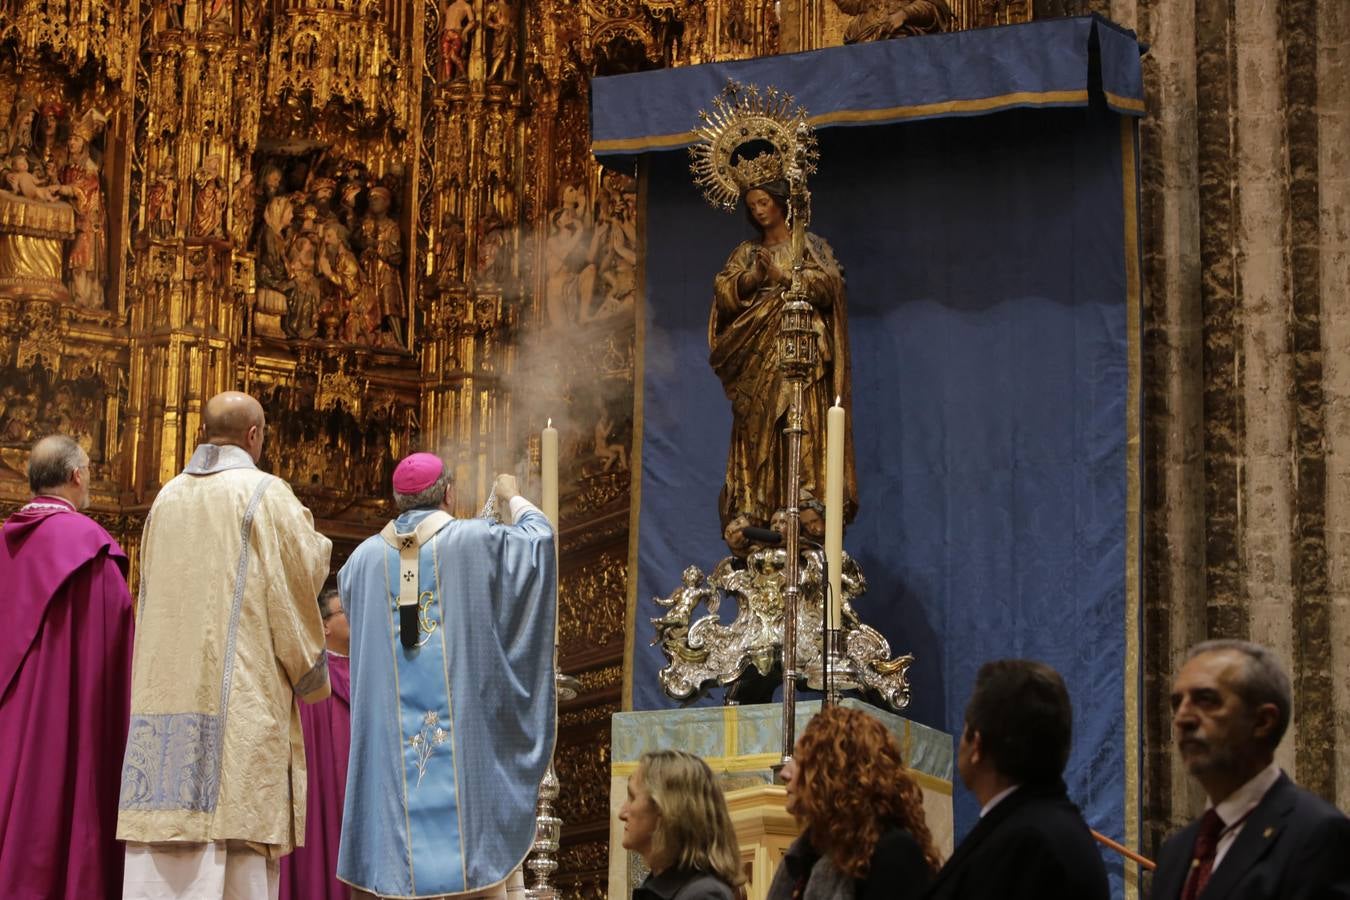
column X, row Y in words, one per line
column 452, row 691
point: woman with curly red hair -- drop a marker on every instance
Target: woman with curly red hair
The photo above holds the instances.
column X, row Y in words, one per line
column 864, row 834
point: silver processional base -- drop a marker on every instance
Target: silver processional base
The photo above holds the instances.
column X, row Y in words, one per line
column 703, row 652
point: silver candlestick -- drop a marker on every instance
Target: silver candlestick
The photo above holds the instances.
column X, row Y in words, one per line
column 834, row 672
column 543, row 861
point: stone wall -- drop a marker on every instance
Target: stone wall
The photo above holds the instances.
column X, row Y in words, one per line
column 1246, row 155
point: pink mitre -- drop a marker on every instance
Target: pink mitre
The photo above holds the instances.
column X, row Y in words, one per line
column 417, row 473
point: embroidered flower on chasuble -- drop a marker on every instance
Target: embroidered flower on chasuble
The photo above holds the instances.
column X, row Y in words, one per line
column 425, row 742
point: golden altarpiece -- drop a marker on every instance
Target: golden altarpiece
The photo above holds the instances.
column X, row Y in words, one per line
column 381, row 218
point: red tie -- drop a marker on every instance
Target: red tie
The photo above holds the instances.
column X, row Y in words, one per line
column 1202, row 857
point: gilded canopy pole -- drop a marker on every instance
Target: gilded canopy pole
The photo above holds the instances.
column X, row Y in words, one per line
column 797, row 361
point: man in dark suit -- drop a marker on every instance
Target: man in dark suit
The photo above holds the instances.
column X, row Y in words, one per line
column 1262, row 836
column 1031, row 842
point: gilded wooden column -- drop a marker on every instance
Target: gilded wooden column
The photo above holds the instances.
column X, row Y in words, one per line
column 198, row 123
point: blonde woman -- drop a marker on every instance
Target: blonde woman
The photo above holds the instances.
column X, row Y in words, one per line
column 676, row 819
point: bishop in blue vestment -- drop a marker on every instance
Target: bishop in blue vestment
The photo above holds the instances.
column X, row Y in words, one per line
column 453, row 700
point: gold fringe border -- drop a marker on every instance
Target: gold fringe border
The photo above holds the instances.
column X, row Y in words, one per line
column 1030, row 99
column 635, row 451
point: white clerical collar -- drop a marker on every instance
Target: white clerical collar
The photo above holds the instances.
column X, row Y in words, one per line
column 407, row 543
column 50, row 501
column 209, row 459
column 1242, row 801
column 996, row 800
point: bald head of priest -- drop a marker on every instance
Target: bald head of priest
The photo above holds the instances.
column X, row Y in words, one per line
column 235, row 419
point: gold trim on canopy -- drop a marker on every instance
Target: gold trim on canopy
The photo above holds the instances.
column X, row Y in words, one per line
column 881, row 116
column 1133, row 497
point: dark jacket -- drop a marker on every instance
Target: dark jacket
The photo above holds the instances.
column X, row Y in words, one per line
column 1293, row 845
column 682, row 884
column 1033, row 845
column 898, row 872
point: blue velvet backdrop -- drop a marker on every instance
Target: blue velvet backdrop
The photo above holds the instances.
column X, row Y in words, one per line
column 985, row 260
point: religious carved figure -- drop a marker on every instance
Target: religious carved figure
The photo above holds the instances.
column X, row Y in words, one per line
column 674, row 625
column 302, row 305
column 457, row 22
column 316, row 276
column 273, row 270
column 610, row 453
column 46, row 155
column 736, row 24
column 743, row 332
column 82, row 187
column 879, row 20
column 616, row 251
column 208, row 204
column 160, row 201
column 569, row 260
column 271, row 183
column 18, row 134
column 19, row 181
column 242, row 202
column 492, row 266
column 321, row 198
column 349, row 298
column 349, row 193
column 218, row 15
column 450, row 252
column 500, row 19
column 33, row 227
column 382, row 259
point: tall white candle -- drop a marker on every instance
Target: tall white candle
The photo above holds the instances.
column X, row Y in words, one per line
column 548, row 464
column 834, row 508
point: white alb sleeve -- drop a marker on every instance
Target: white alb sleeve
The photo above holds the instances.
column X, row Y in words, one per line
column 518, row 505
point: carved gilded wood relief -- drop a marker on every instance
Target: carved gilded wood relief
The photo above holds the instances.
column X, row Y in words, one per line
column 379, row 216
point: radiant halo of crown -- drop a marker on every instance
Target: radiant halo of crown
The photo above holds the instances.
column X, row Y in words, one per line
column 749, row 139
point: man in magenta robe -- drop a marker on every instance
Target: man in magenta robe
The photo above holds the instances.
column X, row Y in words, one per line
column 65, row 687
column 310, row 872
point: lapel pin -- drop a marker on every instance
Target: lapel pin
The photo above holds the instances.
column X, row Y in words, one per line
column 1270, row 829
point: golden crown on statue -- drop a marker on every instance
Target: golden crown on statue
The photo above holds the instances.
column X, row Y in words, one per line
column 750, row 139
column 762, row 169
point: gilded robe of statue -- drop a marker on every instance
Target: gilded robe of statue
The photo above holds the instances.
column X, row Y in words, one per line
column 743, row 336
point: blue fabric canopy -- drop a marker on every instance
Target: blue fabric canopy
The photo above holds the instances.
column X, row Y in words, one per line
column 1055, row 62
column 988, row 233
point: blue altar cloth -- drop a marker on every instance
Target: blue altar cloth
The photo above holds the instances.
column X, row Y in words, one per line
column 989, row 236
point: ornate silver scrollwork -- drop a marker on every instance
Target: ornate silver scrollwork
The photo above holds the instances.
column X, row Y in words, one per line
column 704, row 652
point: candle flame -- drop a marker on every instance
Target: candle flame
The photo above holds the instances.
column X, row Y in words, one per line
column 550, row 423
column 838, row 400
